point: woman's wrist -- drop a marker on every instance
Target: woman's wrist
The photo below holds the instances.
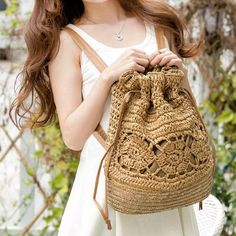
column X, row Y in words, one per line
column 106, row 79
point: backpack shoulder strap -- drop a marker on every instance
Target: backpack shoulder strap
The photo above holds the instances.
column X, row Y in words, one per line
column 167, row 40
column 161, row 42
column 86, row 48
column 99, row 133
column 161, row 39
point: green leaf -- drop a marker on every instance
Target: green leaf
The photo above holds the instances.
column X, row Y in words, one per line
column 62, row 165
column 211, row 107
column 234, row 120
column 221, row 153
column 234, row 81
column 234, row 96
column 225, row 117
column 30, row 171
column 59, row 181
column 63, row 190
column 38, row 153
column 74, row 166
column 57, row 212
column 15, row 23
column 48, row 218
column 214, row 95
column 28, row 182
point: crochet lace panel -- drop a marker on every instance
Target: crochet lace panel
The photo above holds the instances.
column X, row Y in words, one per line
column 162, row 140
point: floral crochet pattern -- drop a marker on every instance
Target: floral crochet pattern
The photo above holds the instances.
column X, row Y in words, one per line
column 162, row 153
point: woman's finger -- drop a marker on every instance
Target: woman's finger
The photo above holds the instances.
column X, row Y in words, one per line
column 142, row 61
column 134, row 53
column 138, row 51
column 163, row 50
column 167, row 59
column 138, row 68
column 158, row 52
column 153, row 55
column 156, row 60
column 176, row 62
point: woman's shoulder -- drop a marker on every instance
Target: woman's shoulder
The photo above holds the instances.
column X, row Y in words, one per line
column 65, row 36
column 67, row 49
column 67, row 42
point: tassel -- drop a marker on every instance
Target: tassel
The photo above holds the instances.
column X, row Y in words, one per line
column 200, row 205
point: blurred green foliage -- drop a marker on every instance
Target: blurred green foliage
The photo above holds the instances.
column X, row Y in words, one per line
column 61, row 163
column 222, row 106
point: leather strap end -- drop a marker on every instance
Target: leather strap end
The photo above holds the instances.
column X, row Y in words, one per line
column 200, row 205
column 108, row 222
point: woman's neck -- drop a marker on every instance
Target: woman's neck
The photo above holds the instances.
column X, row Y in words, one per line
column 104, row 12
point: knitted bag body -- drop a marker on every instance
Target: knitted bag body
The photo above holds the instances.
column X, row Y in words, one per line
column 161, row 154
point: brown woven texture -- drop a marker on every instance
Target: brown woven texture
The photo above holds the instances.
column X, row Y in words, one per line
column 161, row 155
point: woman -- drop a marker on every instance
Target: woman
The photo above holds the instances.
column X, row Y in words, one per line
column 122, row 33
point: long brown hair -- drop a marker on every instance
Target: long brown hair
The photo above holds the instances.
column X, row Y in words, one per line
column 42, row 39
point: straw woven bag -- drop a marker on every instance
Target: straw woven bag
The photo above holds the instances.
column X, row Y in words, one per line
column 159, row 154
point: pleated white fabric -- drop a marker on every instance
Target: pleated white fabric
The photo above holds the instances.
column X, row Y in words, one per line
column 81, row 216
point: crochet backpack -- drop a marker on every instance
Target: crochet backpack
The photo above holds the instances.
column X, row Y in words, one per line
column 159, row 154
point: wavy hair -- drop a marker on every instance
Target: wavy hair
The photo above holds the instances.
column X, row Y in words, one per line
column 34, row 101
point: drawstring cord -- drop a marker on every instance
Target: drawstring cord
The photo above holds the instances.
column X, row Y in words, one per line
column 104, row 211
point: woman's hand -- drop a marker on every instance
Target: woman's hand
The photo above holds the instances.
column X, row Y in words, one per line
column 131, row 59
column 166, row 57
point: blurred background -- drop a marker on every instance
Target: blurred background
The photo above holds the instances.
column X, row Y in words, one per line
column 37, row 170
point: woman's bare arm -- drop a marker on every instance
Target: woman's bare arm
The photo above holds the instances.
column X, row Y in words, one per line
column 77, row 119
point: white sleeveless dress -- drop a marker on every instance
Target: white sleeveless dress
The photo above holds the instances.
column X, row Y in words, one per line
column 81, row 216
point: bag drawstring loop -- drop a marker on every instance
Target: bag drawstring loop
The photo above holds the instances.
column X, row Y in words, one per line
column 104, row 211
